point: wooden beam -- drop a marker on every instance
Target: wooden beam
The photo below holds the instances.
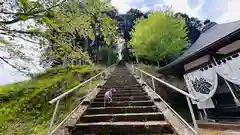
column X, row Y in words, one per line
column 197, row 62
column 230, row 48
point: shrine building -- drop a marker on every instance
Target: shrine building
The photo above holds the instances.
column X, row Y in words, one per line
column 211, row 70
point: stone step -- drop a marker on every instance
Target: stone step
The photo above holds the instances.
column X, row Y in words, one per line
column 124, row 103
column 131, row 112
column 122, row 117
column 123, row 94
column 117, row 110
column 122, row 128
column 129, row 98
column 122, row 87
column 122, row 91
column 129, row 82
column 135, row 85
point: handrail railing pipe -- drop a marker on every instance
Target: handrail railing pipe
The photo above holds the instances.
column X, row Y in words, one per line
column 169, row 85
column 57, row 99
column 90, row 85
column 141, row 74
column 153, row 84
column 53, row 117
column 192, row 115
column 188, row 97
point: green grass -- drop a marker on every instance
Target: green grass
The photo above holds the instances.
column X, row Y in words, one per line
column 24, row 107
column 147, row 68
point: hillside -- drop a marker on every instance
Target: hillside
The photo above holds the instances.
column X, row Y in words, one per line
column 24, row 107
column 176, row 100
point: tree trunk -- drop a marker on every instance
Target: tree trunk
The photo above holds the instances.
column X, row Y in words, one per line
column 158, row 63
column 86, row 44
column 137, row 59
column 109, row 58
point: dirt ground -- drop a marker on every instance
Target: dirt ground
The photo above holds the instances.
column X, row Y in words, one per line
column 218, row 132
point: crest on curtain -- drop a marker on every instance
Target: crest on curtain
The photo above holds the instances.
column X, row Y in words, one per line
column 202, row 86
column 202, row 83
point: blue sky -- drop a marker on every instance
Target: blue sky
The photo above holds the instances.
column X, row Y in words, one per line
column 220, row 11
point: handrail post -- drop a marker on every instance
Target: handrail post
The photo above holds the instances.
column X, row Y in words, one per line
column 53, row 117
column 101, row 76
column 90, row 85
column 153, row 84
column 132, row 68
column 106, row 73
column 192, row 115
column 137, row 71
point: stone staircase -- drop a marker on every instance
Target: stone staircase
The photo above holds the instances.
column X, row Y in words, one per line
column 131, row 112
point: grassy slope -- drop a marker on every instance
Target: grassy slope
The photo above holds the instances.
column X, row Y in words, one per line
column 24, row 107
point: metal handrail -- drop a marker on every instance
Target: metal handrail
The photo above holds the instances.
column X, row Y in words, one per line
column 69, row 114
column 178, row 90
column 169, row 85
column 76, row 87
column 57, row 99
column 177, row 114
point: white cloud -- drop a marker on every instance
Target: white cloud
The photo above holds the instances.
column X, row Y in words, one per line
column 184, row 7
column 122, row 5
column 145, row 9
column 177, row 5
column 231, row 13
column 221, row 11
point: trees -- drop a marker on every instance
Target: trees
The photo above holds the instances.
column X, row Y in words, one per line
column 14, row 30
column 72, row 23
column 158, row 36
column 108, row 55
column 56, row 27
column 126, row 24
column 193, row 26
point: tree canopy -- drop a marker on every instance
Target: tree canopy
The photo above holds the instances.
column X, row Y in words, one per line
column 193, row 26
column 158, row 36
column 56, row 27
column 63, row 31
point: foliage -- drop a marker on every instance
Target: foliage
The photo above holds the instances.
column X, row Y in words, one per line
column 70, row 22
column 193, row 26
column 24, row 108
column 57, row 25
column 108, row 56
column 158, row 36
column 128, row 21
column 126, row 24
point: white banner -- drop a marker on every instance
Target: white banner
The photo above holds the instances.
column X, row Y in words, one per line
column 202, row 84
column 206, row 104
column 230, row 69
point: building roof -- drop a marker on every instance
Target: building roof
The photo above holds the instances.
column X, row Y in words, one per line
column 207, row 39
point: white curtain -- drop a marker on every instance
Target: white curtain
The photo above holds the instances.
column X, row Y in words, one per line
column 206, row 104
column 202, row 84
column 230, row 69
